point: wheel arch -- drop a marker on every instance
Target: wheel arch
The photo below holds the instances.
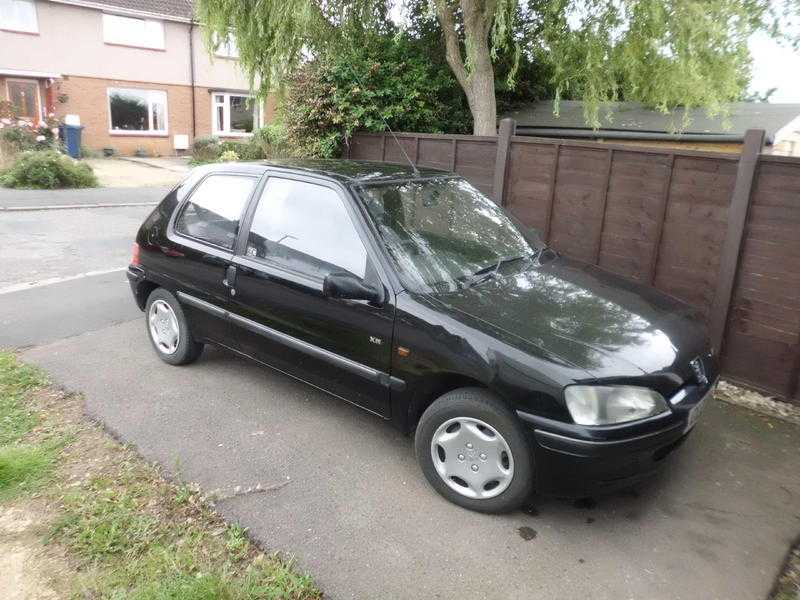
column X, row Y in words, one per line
column 434, row 386
column 143, row 291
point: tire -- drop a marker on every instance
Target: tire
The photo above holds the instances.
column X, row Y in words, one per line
column 166, row 307
column 469, row 408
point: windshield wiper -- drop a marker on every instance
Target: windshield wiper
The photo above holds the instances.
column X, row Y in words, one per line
column 490, row 271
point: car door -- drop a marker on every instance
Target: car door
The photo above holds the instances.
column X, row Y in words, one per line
column 202, row 235
column 300, row 229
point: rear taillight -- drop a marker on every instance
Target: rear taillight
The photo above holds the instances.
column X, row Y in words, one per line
column 135, row 261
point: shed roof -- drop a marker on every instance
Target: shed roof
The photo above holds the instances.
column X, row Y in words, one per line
column 632, row 120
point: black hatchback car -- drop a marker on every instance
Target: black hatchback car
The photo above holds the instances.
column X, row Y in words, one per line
column 412, row 295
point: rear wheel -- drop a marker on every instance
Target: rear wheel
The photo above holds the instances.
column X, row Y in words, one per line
column 473, row 451
column 168, row 330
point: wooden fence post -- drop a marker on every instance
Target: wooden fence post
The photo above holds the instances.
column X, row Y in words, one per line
column 731, row 247
column 507, row 129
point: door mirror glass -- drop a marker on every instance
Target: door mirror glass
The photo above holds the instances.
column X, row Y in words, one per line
column 349, row 287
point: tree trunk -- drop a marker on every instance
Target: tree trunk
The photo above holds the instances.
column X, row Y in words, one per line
column 478, row 81
column 482, row 102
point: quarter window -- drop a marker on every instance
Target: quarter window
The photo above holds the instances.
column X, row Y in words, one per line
column 137, row 111
column 18, row 15
column 305, row 227
column 234, row 114
column 129, row 31
column 213, row 212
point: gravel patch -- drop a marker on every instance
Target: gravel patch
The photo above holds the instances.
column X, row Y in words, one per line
column 766, row 405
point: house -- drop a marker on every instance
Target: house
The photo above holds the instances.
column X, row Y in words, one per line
column 633, row 123
column 135, row 72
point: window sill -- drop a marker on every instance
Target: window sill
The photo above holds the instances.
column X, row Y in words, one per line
column 25, row 31
column 226, row 134
column 133, row 133
column 133, row 46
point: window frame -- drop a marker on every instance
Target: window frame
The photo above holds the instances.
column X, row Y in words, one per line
column 381, row 268
column 226, row 113
column 160, row 48
column 149, row 132
column 34, row 31
column 203, row 245
column 40, row 109
column 219, row 44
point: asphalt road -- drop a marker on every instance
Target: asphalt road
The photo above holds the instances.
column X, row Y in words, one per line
column 62, row 270
column 343, row 492
column 27, row 199
column 346, row 496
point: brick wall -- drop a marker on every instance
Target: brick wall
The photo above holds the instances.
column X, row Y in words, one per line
column 88, row 98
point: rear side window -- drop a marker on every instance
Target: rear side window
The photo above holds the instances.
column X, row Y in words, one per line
column 212, row 213
column 305, row 227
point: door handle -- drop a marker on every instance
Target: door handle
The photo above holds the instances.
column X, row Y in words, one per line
column 230, row 279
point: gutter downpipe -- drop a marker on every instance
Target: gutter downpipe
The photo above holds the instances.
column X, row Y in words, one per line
column 191, row 77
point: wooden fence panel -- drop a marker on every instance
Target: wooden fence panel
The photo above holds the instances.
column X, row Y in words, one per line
column 658, row 216
column 578, row 208
column 530, row 180
column 634, row 212
column 762, row 343
column 694, row 228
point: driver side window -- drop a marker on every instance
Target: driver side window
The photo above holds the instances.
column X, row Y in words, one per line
column 305, row 227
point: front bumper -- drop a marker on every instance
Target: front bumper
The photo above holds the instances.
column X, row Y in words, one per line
column 575, row 460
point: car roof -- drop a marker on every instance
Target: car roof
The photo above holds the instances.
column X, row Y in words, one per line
column 345, row 171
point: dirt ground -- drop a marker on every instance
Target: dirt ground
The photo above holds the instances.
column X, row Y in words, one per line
column 26, row 566
column 125, row 172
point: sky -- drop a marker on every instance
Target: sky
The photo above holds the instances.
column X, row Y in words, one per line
column 775, row 66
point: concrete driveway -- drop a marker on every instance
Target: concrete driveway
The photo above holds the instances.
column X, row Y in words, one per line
column 344, row 494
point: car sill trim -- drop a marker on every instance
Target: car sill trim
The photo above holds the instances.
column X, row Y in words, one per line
column 342, row 362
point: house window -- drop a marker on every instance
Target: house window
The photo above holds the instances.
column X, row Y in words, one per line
column 18, row 15
column 23, row 94
column 129, row 31
column 234, row 114
column 137, row 112
column 226, row 48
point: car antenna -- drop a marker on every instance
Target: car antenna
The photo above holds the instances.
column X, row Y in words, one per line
column 394, row 137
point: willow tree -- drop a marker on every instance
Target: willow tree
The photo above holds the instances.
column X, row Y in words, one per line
column 665, row 53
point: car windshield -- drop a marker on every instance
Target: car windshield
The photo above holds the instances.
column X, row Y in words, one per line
column 443, row 234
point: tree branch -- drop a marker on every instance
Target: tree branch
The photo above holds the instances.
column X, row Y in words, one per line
column 452, row 45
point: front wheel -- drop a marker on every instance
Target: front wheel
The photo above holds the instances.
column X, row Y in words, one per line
column 473, row 451
column 168, row 330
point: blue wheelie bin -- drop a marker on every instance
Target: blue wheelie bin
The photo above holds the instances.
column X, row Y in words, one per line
column 71, row 134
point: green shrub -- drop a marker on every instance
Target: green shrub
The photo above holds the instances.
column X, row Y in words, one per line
column 228, row 156
column 18, row 139
column 272, row 141
column 387, row 79
column 206, row 148
column 268, row 142
column 48, row 170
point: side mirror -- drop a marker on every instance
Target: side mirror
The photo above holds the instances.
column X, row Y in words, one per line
column 349, row 287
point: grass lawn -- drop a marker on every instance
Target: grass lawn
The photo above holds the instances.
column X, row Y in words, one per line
column 121, row 530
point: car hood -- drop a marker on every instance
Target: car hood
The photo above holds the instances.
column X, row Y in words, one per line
column 590, row 318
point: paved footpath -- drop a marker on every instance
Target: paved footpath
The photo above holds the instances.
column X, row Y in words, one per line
column 346, row 496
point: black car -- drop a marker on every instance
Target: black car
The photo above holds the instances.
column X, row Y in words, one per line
column 412, row 295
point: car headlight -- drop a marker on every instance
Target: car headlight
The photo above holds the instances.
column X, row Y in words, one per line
column 609, row 404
